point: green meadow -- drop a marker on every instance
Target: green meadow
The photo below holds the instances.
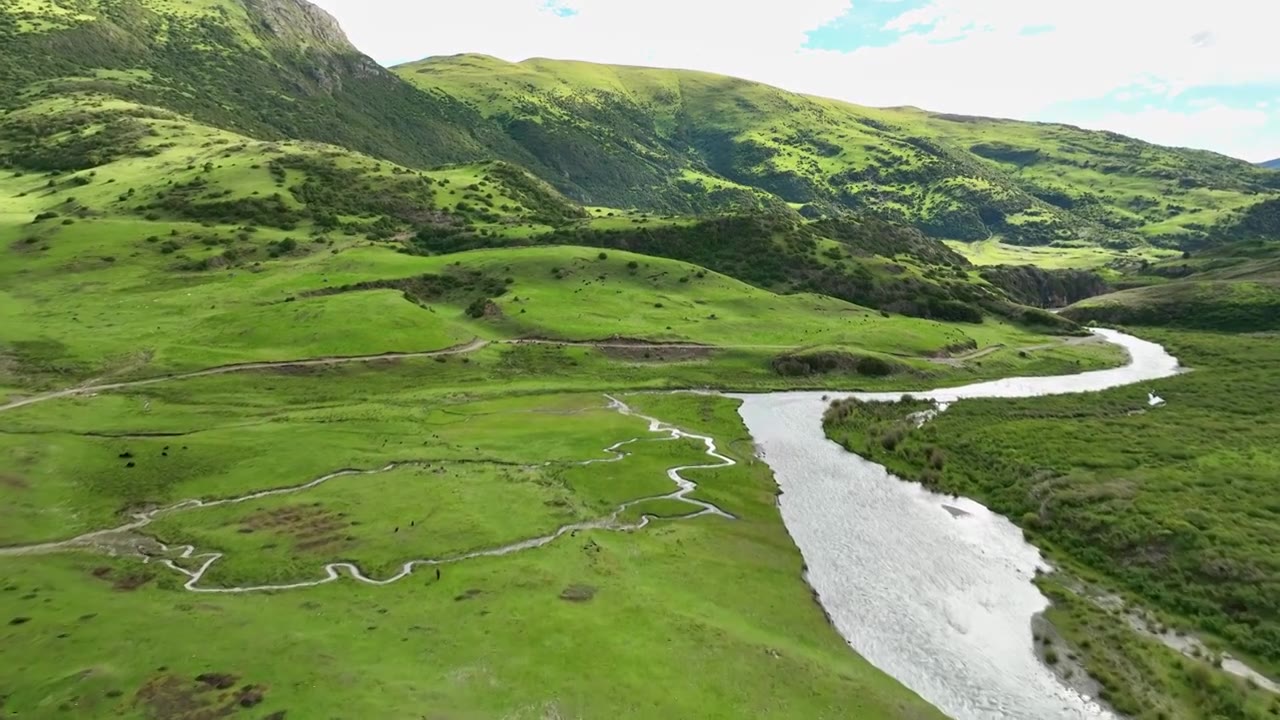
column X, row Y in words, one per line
column 442, row 274
column 521, row 635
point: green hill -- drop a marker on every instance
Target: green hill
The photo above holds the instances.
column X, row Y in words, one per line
column 270, row 69
column 1234, row 288
column 657, row 139
column 112, row 131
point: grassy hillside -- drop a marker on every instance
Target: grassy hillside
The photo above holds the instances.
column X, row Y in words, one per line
column 270, row 69
column 170, row 245
column 1232, row 288
column 629, row 136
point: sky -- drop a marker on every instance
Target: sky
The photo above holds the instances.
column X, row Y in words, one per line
column 1194, row 73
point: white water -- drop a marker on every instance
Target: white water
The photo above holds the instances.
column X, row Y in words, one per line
column 940, row 600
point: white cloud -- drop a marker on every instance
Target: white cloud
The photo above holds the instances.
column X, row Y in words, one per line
column 1232, row 131
column 988, row 65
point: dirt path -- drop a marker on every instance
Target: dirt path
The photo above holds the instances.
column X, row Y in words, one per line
column 125, row 538
column 960, row 360
column 86, row 389
column 91, row 387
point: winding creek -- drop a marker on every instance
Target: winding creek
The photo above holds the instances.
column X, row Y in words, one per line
column 933, row 590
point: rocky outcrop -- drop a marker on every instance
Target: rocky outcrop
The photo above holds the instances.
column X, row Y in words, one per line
column 299, row 23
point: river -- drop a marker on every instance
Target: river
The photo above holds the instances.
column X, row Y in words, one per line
column 935, row 591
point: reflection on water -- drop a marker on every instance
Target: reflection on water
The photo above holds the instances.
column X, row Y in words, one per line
column 935, row 591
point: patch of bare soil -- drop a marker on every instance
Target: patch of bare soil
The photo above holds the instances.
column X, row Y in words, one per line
column 578, row 593
column 13, row 482
column 309, row 526
column 299, row 370
column 206, row 697
column 123, row 581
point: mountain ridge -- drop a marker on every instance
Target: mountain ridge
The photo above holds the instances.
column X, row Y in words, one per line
column 632, row 133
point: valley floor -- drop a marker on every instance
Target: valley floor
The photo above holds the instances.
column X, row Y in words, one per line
column 497, row 444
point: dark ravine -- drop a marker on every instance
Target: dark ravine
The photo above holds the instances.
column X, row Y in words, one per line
column 1038, row 287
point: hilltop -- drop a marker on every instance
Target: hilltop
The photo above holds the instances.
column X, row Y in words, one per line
column 662, row 141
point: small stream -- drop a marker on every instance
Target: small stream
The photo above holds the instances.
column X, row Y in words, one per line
column 935, row 591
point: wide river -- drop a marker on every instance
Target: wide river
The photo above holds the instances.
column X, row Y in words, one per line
column 941, row 600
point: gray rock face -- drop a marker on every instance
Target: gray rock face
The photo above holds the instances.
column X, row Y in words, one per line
column 299, row 22
column 304, row 30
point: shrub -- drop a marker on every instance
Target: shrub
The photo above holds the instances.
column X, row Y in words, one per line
column 478, row 307
column 874, row 366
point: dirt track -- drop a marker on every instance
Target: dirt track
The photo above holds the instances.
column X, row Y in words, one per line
column 469, row 347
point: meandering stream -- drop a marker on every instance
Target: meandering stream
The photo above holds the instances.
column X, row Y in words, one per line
column 933, row 590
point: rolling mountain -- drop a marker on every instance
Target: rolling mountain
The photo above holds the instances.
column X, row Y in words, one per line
column 1271, row 164
column 143, row 113
column 668, row 141
column 269, row 69
column 663, row 139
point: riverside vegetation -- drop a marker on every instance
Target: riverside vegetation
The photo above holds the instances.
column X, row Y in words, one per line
column 1171, row 507
column 444, row 267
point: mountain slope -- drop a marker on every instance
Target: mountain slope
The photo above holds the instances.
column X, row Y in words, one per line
column 633, row 136
column 270, row 69
column 1271, row 164
column 1233, row 288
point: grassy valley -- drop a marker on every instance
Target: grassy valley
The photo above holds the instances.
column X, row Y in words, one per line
column 1235, row 287
column 271, row 315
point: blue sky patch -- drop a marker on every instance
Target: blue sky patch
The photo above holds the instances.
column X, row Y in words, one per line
column 862, row 26
column 558, row 7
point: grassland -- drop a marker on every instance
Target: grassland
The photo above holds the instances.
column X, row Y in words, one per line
column 1170, row 508
column 520, row 635
column 130, row 280
column 994, row 252
column 201, row 248
column 1235, row 287
column 193, row 185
